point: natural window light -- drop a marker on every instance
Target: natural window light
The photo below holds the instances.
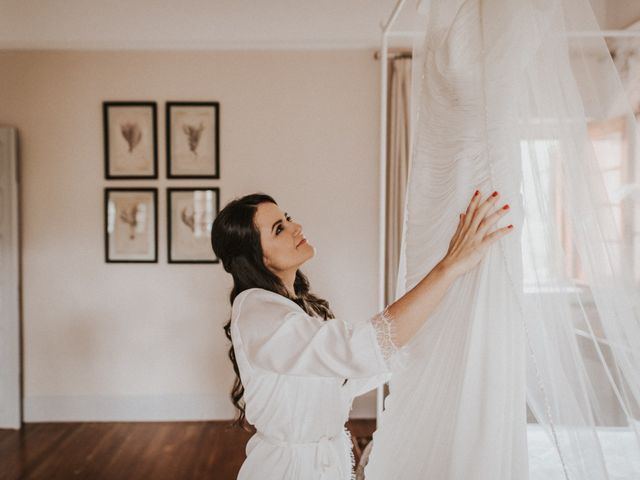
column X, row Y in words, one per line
column 542, row 190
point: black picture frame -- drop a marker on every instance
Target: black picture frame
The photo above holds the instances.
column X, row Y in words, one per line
column 179, row 228
column 177, row 167
column 113, row 145
column 126, row 258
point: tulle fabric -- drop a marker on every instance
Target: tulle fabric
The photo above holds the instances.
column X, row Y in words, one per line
column 505, row 95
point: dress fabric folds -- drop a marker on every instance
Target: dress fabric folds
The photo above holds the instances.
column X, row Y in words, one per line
column 458, row 412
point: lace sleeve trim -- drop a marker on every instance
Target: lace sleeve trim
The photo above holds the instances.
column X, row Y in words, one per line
column 385, row 328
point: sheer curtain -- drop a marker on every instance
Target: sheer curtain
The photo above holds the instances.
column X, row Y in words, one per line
column 509, row 95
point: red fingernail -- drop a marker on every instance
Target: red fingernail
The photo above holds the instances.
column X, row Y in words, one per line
column 477, row 192
column 494, row 194
column 510, row 226
column 506, row 207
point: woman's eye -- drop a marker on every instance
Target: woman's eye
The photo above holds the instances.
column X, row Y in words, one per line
column 279, row 228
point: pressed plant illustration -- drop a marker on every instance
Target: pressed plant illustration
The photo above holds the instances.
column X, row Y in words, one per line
column 132, row 134
column 134, row 217
column 188, row 218
column 196, row 222
column 193, row 136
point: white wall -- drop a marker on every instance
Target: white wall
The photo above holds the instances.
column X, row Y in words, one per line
column 621, row 13
column 134, row 342
column 195, row 25
column 109, row 342
column 615, row 14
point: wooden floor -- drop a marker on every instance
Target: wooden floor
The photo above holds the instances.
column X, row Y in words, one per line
column 132, row 451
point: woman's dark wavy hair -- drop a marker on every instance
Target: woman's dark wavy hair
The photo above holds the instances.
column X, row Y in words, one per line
column 235, row 240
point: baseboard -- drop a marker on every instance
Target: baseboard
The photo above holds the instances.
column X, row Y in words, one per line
column 147, row 408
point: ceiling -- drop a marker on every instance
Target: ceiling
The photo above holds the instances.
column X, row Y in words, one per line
column 217, row 24
column 192, row 24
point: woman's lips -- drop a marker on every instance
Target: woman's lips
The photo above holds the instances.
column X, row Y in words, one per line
column 301, row 242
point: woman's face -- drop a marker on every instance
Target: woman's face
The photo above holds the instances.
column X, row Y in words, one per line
column 280, row 238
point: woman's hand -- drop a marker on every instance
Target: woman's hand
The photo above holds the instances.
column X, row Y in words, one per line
column 471, row 241
column 467, row 247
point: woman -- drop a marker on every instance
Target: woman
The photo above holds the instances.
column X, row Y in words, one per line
column 298, row 368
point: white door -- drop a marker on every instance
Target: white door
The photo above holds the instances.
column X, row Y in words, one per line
column 10, row 415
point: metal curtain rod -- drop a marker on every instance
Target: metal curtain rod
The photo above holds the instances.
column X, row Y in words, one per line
column 594, row 33
column 393, row 55
column 606, row 33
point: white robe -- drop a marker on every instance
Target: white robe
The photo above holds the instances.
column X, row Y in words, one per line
column 292, row 366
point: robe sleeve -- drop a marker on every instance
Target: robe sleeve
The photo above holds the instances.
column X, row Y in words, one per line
column 396, row 358
column 278, row 336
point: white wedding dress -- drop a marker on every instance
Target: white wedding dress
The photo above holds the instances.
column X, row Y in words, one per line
column 498, row 109
column 467, row 374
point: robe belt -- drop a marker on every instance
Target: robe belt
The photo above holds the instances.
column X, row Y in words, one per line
column 325, row 455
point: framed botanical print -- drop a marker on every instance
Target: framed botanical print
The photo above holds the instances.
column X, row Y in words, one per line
column 190, row 214
column 193, row 139
column 131, row 225
column 130, row 140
